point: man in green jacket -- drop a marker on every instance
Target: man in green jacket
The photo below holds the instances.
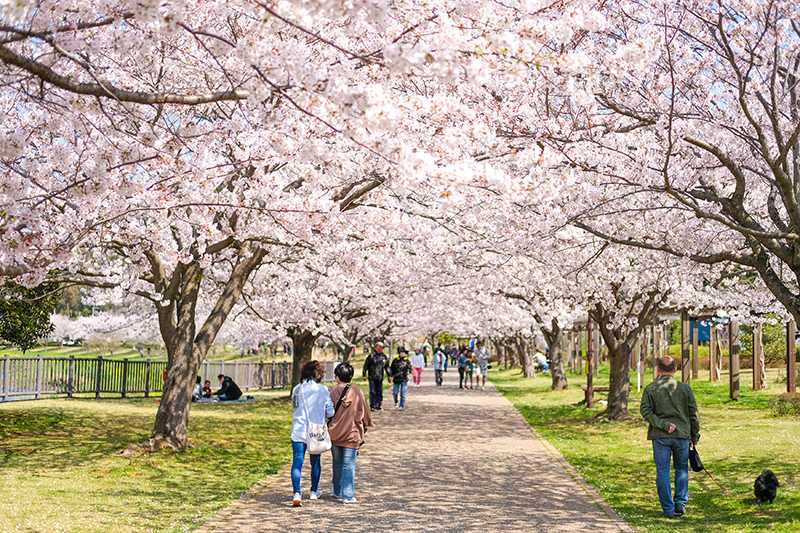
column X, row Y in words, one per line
column 671, row 411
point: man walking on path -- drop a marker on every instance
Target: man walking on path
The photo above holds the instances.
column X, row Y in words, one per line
column 462, row 368
column 671, row 412
column 400, row 369
column 439, row 364
column 482, row 355
column 374, row 367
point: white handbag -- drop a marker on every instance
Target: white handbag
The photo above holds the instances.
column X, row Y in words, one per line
column 317, row 438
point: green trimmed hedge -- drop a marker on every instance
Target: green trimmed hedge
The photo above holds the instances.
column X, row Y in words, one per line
column 787, row 404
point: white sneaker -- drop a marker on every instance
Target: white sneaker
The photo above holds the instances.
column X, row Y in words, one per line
column 297, row 501
column 314, row 495
column 351, row 500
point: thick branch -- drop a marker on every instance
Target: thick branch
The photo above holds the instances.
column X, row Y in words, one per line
column 107, row 90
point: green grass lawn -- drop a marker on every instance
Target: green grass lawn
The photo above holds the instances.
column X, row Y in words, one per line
column 59, row 468
column 738, row 440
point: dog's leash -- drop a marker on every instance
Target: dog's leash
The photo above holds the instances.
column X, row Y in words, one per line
column 724, row 490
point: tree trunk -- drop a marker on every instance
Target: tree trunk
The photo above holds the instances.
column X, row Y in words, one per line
column 553, row 336
column 178, row 326
column 171, row 429
column 345, row 351
column 511, row 353
column 527, row 365
column 500, row 350
column 620, row 384
column 525, row 358
column 302, row 351
column 186, row 346
column 554, row 356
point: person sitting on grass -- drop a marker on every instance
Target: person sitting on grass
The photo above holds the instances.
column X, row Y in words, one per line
column 228, row 389
column 207, row 393
column 197, row 392
column 671, row 412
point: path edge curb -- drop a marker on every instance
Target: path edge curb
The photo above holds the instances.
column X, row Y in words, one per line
column 246, row 497
column 590, row 491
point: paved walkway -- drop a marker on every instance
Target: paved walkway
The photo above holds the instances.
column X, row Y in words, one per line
column 453, row 461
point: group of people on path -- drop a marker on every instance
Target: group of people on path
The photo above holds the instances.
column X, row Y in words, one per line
column 473, row 365
column 342, row 412
column 377, row 365
column 668, row 406
column 343, row 408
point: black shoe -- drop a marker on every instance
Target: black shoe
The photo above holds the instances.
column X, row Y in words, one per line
column 679, row 511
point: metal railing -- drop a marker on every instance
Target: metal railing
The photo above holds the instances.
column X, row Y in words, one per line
column 31, row 378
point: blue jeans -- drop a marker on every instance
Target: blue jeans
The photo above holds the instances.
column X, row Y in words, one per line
column 677, row 450
column 401, row 390
column 298, row 454
column 344, row 472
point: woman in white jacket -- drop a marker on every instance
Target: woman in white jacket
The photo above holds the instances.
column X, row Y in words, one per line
column 312, row 405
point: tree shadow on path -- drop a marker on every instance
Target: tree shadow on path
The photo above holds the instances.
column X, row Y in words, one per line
column 453, row 461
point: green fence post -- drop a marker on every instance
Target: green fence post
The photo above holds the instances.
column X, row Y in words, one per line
column 124, row 390
column 147, row 369
column 39, row 368
column 5, row 377
column 98, row 377
column 70, row 376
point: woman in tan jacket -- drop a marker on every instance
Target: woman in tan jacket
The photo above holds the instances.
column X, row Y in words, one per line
column 347, row 429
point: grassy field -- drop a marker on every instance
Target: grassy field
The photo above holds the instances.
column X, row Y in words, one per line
column 738, row 440
column 59, row 468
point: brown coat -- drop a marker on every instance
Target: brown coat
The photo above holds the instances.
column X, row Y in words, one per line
column 351, row 419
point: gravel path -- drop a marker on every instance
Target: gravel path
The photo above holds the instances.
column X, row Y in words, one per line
column 453, row 461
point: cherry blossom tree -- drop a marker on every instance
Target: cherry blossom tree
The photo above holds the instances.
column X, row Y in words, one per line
column 682, row 121
column 172, row 151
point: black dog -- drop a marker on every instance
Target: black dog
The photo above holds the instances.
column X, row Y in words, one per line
column 766, row 486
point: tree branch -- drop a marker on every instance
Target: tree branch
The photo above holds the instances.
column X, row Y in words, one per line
column 107, row 90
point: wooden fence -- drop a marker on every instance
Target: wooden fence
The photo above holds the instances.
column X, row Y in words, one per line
column 31, row 378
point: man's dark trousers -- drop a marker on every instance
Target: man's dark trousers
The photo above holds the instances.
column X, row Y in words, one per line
column 375, row 393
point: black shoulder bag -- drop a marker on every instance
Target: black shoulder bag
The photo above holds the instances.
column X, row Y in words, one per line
column 694, row 460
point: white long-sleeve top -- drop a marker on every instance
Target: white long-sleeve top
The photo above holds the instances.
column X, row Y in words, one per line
column 318, row 403
column 417, row 361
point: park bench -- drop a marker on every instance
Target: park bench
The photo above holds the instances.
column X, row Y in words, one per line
column 595, row 390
